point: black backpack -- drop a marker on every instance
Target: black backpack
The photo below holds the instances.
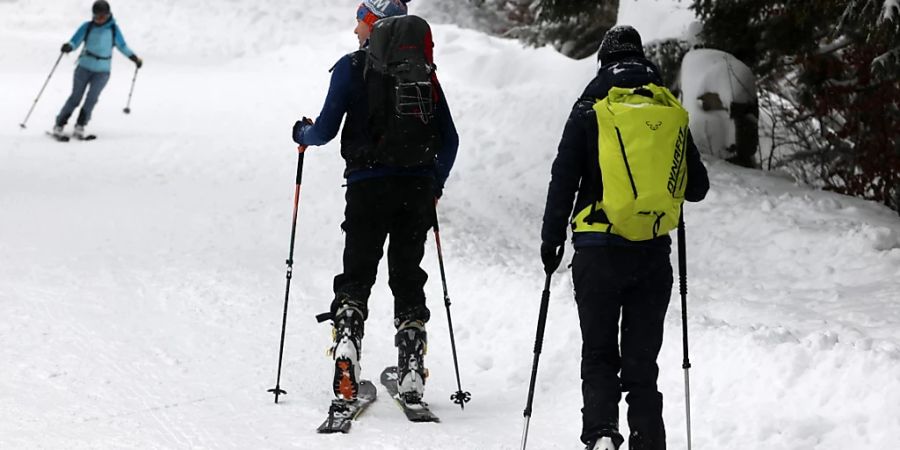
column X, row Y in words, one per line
column 402, row 92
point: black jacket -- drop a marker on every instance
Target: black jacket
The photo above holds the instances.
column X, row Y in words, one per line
column 577, row 170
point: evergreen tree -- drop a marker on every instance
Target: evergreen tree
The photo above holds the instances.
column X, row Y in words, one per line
column 574, row 27
column 827, row 72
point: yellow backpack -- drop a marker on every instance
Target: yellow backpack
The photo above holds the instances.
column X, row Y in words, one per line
column 642, row 150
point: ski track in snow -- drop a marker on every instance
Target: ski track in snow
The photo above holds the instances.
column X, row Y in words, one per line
column 143, row 274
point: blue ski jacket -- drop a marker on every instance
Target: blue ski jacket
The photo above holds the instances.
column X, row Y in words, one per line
column 99, row 41
column 347, row 96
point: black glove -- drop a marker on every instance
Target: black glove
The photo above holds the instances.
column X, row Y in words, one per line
column 66, row 48
column 551, row 255
column 299, row 127
column 137, row 61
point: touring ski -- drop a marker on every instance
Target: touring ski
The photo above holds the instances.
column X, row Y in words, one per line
column 341, row 413
column 415, row 412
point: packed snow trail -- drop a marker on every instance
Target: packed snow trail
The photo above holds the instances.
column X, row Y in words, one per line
column 143, row 273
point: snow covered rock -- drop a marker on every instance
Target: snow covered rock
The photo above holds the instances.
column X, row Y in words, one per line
column 719, row 92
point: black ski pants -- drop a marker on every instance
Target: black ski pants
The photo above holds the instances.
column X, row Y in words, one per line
column 633, row 283
column 399, row 207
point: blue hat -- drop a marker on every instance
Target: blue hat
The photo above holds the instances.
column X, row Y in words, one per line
column 385, row 8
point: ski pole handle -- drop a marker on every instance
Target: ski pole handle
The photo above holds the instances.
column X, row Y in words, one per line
column 682, row 275
column 538, row 342
column 301, row 151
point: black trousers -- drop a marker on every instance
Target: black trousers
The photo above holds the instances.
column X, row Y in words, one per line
column 399, row 207
column 633, row 283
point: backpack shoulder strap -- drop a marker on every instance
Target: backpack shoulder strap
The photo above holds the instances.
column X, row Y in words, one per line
column 358, row 58
column 87, row 34
column 91, row 27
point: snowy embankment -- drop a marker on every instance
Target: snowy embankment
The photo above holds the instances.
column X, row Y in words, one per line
column 142, row 274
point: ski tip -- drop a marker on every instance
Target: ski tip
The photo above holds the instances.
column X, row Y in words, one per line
column 368, row 389
column 389, row 375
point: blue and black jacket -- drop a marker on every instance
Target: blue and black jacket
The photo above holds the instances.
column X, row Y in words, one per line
column 347, row 95
column 99, row 41
column 576, row 170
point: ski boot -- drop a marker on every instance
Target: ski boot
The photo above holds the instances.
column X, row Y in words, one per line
column 58, row 131
column 411, row 342
column 346, row 351
column 79, row 132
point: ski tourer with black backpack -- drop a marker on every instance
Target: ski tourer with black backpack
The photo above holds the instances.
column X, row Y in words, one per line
column 402, row 92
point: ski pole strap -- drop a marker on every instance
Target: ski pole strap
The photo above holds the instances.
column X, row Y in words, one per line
column 325, row 316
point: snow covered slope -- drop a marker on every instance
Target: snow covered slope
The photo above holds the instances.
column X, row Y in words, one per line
column 142, row 275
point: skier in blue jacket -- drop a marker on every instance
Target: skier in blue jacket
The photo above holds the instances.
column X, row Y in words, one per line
column 382, row 200
column 99, row 36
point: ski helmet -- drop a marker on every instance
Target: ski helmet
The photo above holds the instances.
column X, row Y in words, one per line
column 100, row 7
column 620, row 42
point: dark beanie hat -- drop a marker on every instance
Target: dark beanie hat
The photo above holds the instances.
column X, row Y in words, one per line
column 620, row 42
column 100, row 7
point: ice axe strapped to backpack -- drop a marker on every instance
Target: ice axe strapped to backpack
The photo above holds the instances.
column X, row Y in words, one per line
column 402, row 92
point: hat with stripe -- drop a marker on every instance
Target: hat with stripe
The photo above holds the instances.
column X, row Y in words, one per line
column 370, row 11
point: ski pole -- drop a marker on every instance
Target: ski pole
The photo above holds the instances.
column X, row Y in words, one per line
column 22, row 125
column 460, row 397
column 127, row 109
column 538, row 345
column 290, row 270
column 686, row 363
